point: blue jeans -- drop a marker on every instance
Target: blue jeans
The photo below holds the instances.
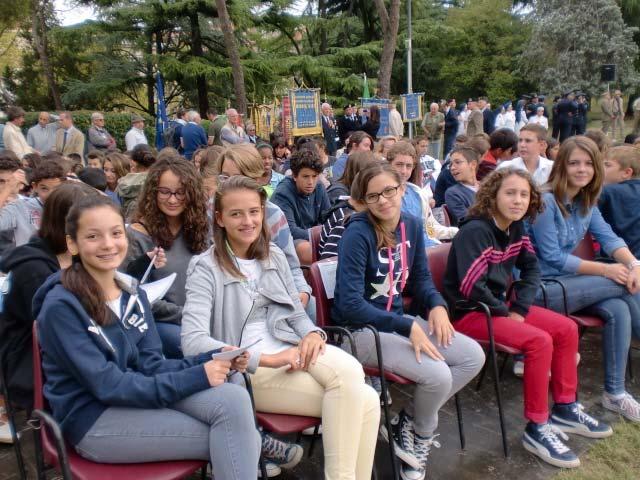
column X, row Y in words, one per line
column 170, row 338
column 215, row 425
column 611, row 302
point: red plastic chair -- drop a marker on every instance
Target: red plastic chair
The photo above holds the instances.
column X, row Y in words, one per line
column 314, row 238
column 51, row 449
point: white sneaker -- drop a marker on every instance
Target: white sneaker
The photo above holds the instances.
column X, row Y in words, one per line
column 310, row 431
column 626, row 406
column 5, row 428
column 518, row 368
column 273, row 470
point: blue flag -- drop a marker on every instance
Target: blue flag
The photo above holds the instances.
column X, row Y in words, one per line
column 162, row 121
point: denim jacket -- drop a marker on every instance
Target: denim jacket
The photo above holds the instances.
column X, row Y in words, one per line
column 555, row 237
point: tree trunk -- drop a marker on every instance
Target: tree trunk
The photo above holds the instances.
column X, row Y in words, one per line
column 39, row 33
column 196, row 51
column 234, row 57
column 322, row 15
column 390, row 21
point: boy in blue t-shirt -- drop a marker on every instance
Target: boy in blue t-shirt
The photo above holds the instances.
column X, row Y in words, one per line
column 619, row 200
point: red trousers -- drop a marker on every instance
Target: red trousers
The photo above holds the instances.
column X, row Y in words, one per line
column 549, row 342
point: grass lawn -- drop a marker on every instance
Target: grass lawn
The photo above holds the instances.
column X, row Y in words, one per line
column 615, row 458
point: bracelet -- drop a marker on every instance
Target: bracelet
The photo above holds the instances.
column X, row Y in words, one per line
column 606, row 267
column 322, row 334
column 633, row 264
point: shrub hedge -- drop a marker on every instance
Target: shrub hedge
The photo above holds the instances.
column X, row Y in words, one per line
column 117, row 124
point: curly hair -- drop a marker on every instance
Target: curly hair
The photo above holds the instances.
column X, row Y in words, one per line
column 195, row 226
column 485, row 204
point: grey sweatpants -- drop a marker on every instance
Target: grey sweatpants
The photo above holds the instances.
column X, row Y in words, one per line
column 436, row 381
column 215, row 425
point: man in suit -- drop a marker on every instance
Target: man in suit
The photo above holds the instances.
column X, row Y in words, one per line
column 488, row 120
column 476, row 119
column 349, row 122
column 580, row 120
column 68, row 138
column 606, row 107
column 567, row 109
column 329, row 128
column 451, row 124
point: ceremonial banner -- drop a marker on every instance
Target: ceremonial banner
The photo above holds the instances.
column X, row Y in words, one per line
column 286, row 120
column 261, row 116
column 305, row 112
column 412, row 107
column 383, row 106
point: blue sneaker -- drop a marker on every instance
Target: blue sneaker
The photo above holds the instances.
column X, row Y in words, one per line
column 571, row 418
column 283, row 454
column 542, row 440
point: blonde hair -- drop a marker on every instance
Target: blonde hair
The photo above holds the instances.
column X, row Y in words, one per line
column 627, row 157
column 247, row 159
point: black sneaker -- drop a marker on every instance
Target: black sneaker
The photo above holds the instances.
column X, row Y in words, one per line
column 571, row 418
column 403, row 433
column 283, row 454
column 542, row 440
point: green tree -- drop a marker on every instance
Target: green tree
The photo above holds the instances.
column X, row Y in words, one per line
column 570, row 41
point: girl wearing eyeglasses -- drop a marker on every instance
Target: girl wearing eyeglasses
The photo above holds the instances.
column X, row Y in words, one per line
column 171, row 221
column 382, row 254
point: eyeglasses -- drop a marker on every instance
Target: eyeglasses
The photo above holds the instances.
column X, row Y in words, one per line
column 389, row 192
column 166, row 194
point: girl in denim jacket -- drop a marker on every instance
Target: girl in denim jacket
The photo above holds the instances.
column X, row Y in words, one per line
column 607, row 290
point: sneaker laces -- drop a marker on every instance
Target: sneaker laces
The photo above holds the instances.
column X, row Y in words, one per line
column 407, row 431
column 274, row 448
column 422, row 447
column 550, row 433
column 628, row 403
column 585, row 417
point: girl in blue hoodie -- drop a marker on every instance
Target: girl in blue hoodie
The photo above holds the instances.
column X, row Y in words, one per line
column 382, row 254
column 117, row 399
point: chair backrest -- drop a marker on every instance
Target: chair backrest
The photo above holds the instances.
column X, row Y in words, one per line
column 437, row 257
column 585, row 249
column 38, row 378
column 314, row 238
column 322, row 289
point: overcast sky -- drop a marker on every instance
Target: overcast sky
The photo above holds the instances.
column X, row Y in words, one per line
column 70, row 15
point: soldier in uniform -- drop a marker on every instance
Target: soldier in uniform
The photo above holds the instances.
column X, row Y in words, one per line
column 606, row 106
column 580, row 119
column 567, row 109
column 349, row 122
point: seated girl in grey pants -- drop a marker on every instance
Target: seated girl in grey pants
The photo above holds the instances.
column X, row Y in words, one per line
column 381, row 252
column 115, row 396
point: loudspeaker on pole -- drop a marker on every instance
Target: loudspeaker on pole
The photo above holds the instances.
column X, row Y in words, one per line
column 608, row 73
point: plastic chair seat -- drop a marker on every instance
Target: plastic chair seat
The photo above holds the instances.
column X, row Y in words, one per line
column 284, row 424
column 83, row 469
column 390, row 376
column 500, row 347
column 587, row 321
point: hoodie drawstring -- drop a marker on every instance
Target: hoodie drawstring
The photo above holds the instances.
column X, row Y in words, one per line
column 403, row 266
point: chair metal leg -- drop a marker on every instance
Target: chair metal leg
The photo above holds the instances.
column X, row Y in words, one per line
column 630, row 364
column 460, row 422
column 496, row 383
column 203, row 472
column 15, row 437
column 314, row 437
column 261, row 461
column 503, row 366
column 395, row 467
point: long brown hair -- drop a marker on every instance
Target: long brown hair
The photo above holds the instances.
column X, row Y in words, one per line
column 360, row 185
column 259, row 249
column 76, row 279
column 485, row 202
column 558, row 179
column 356, row 161
column 120, row 163
column 195, row 226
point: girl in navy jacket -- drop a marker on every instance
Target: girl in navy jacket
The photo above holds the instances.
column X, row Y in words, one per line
column 490, row 244
column 117, row 399
column 382, row 254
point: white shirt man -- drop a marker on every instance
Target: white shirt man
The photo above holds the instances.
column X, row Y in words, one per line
column 531, row 144
column 232, row 133
column 12, row 135
column 396, row 127
column 136, row 135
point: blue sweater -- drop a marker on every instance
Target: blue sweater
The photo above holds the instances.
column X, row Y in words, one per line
column 90, row 368
column 555, row 237
column 458, row 199
column 193, row 137
column 619, row 204
column 302, row 211
column 363, row 283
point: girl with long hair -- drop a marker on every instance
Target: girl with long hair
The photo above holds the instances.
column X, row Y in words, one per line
column 381, row 252
column 171, row 220
column 608, row 290
column 492, row 242
column 116, row 165
column 241, row 292
column 114, row 394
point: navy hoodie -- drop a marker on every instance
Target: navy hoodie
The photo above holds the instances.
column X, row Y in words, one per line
column 480, row 265
column 302, row 211
column 89, row 368
column 619, row 207
column 363, row 278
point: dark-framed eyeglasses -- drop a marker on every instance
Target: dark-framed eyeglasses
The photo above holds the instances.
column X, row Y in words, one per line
column 389, row 192
column 166, row 194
